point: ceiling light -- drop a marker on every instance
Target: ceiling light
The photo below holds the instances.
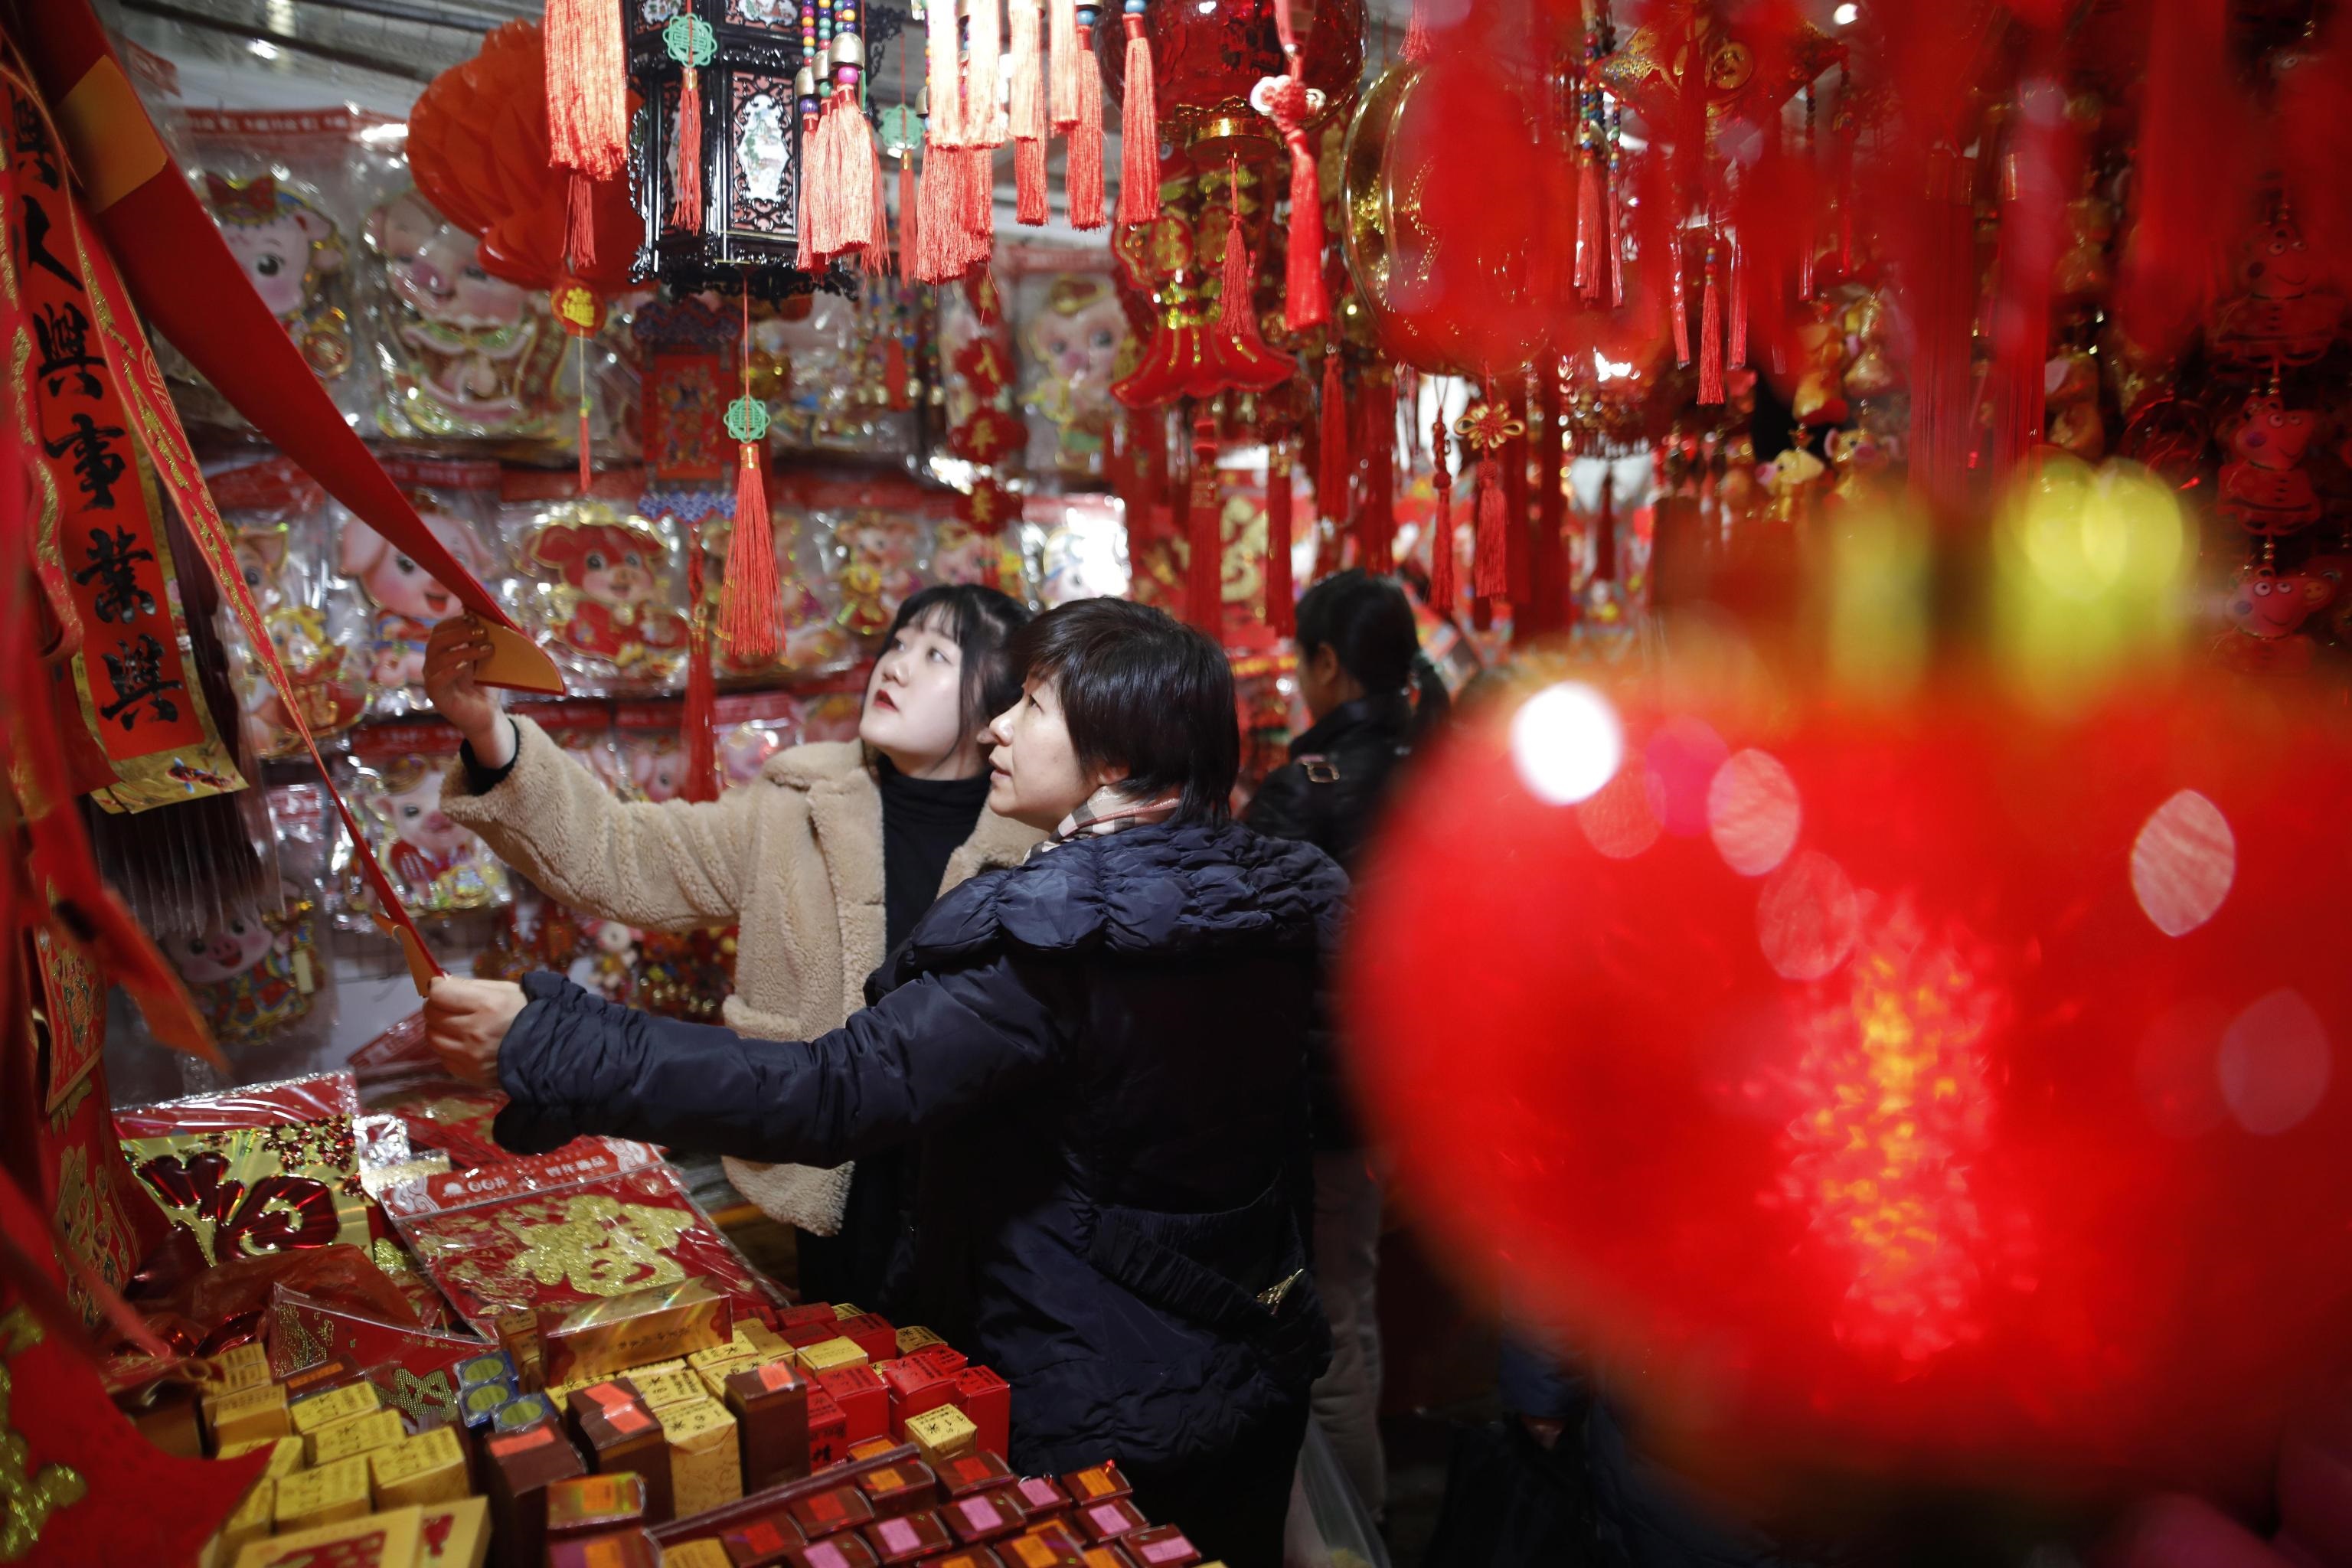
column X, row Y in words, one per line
column 264, row 48
column 1846, row 15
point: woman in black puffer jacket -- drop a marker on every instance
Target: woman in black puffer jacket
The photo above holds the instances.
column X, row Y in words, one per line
column 1104, row 1053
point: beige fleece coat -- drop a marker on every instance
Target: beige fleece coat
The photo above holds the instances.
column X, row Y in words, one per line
column 793, row 858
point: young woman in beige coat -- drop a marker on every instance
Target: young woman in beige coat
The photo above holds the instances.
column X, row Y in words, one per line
column 825, row 861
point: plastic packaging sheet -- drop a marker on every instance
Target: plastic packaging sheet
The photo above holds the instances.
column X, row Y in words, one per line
column 1328, row 1526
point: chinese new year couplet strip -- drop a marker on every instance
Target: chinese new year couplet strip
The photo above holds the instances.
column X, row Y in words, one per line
column 100, row 529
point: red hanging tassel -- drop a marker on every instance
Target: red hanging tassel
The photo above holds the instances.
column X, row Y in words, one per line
column 1305, row 302
column 1417, row 47
column 698, row 718
column 686, row 211
column 586, row 469
column 1337, row 462
column 1376, row 521
column 1490, row 562
column 587, row 88
column 1205, row 531
column 1281, row 609
column 1237, row 310
column 1710, row 339
column 1604, row 531
column 805, row 259
column 1616, row 244
column 748, row 602
column 845, row 173
column 977, row 188
column 1029, row 182
column 1680, row 300
column 938, row 231
column 1589, row 225
column 1025, row 112
column 580, row 222
column 875, row 257
column 1067, row 62
column 1445, row 587
column 1083, row 175
column 909, row 230
column 1735, row 349
column 984, row 34
column 1139, row 132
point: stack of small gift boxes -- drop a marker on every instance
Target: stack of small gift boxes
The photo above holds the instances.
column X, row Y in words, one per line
column 651, row 1428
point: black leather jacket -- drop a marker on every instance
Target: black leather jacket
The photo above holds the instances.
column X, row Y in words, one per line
column 1331, row 794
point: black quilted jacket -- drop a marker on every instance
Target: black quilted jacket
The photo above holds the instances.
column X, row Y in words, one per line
column 1104, row 1051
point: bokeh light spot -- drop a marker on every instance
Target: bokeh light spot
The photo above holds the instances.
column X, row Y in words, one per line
column 1566, row 744
column 1618, row 821
column 1753, row 813
column 2274, row 1064
column 2183, row 862
column 1805, row 917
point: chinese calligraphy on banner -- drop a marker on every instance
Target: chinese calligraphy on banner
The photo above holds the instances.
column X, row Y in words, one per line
column 101, row 534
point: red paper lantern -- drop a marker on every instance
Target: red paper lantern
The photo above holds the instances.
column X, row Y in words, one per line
column 1945, row 1093
column 478, row 148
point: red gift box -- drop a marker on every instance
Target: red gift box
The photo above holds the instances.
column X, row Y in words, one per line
column 804, row 1314
column 833, row 1552
column 908, row 1539
column 415, row 1370
column 832, row 1512
column 985, row 1516
column 974, row 1472
column 864, row 1398
column 764, row 1543
column 1042, row 1495
column 915, row 1386
column 1096, row 1483
column 1111, row 1520
column 828, row 1429
column 1162, row 1546
column 1041, row 1549
column 986, row 1401
column 598, row 1218
column 870, row 1332
column 944, row 1359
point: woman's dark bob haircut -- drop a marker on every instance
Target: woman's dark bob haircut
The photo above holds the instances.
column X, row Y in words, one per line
column 982, row 623
column 1143, row 691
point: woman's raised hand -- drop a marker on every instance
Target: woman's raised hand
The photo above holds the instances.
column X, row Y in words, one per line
column 457, row 647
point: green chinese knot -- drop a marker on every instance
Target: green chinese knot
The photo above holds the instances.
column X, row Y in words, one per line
column 747, row 419
column 690, row 42
column 902, row 130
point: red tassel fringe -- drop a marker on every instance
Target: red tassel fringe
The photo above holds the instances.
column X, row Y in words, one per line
column 1680, row 298
column 806, row 258
column 843, row 178
column 587, row 88
column 1445, row 587
column 1029, row 182
column 1083, row 175
column 1237, row 310
column 699, row 717
column 1281, row 609
column 1138, row 131
column 1736, row 347
column 1490, row 565
column 1376, row 521
column 1589, row 225
column 1068, row 59
column 1305, row 304
column 909, row 229
column 749, row 602
column 1331, row 477
column 686, row 211
column 1710, row 342
column 1205, row 529
column 580, row 222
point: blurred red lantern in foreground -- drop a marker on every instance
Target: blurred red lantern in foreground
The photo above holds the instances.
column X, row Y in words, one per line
column 1948, row 1093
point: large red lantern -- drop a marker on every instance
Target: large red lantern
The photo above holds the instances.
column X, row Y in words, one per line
column 1945, row 1094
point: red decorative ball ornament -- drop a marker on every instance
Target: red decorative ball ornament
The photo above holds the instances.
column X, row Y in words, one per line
column 1948, row 1095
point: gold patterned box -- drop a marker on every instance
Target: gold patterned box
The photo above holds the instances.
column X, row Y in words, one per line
column 369, row 1540
column 704, row 1553
column 715, row 1373
column 705, row 1467
column 286, row 1454
column 654, row 1390
column 760, row 1340
column 941, row 1435
column 429, row 1467
column 605, row 1338
column 916, row 1337
column 832, row 1355
column 233, row 1372
column 456, row 1534
column 327, row 1495
column 362, row 1435
column 253, row 1520
column 256, row 1413
column 348, row 1403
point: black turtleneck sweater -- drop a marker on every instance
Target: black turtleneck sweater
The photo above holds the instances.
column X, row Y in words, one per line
column 924, row 822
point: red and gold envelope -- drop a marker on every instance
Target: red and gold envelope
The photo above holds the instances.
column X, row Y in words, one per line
column 416, row 1370
column 598, row 1218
